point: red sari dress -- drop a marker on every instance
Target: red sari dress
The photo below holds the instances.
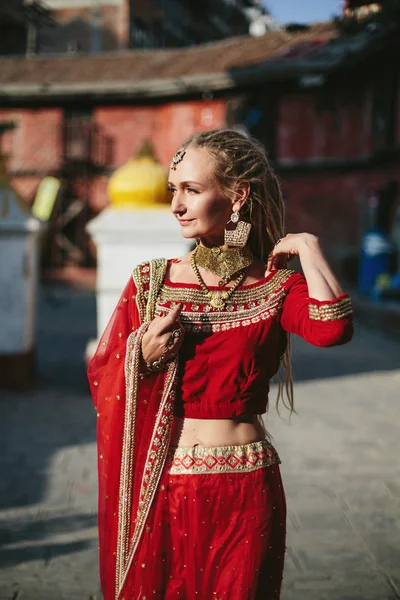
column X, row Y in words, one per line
column 191, row 523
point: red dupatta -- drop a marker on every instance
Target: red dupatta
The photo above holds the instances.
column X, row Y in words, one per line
column 133, row 433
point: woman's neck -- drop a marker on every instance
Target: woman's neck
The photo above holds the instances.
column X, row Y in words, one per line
column 216, row 242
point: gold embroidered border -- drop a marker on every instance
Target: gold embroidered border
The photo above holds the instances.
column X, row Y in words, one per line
column 155, row 461
column 148, row 279
column 240, row 297
column 223, row 321
column 158, row 268
column 331, row 312
column 138, row 281
column 128, row 447
column 199, row 460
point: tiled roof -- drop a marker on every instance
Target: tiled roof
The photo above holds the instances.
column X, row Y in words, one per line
column 161, row 72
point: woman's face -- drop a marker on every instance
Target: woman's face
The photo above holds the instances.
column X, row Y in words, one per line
column 197, row 204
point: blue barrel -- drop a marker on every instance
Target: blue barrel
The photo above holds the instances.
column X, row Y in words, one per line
column 375, row 259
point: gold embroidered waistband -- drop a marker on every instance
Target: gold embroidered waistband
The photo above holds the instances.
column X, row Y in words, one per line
column 222, row 459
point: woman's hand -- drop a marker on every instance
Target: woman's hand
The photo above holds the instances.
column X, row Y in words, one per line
column 322, row 283
column 293, row 244
column 160, row 336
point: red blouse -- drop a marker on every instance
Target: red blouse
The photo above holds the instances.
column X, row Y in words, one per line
column 229, row 356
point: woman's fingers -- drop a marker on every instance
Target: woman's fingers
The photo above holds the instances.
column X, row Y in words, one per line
column 175, row 312
column 172, row 338
column 162, row 327
column 278, row 260
column 270, row 262
column 164, row 336
column 168, row 322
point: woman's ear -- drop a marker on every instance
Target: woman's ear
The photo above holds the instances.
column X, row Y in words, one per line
column 241, row 194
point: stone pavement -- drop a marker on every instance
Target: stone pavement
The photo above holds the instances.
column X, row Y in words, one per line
column 342, row 473
column 381, row 315
column 340, row 468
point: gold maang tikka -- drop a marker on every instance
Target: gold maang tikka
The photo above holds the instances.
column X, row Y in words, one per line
column 178, row 157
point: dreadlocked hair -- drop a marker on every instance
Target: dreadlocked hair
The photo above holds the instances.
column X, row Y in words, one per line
column 239, row 158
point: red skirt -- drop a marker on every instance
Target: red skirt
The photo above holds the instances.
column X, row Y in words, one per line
column 220, row 533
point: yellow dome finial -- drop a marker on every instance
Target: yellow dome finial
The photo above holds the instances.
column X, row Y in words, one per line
column 140, row 183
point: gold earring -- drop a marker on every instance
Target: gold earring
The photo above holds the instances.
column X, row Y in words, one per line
column 239, row 235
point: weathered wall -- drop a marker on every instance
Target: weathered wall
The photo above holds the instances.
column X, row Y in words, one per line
column 324, row 151
column 34, row 146
column 77, row 26
column 311, row 130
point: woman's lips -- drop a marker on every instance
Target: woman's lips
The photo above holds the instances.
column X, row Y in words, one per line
column 184, row 222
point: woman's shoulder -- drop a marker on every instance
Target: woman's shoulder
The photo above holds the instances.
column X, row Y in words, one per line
column 149, row 273
column 283, row 277
column 151, row 265
column 180, row 269
column 290, row 277
column 158, row 262
column 259, row 272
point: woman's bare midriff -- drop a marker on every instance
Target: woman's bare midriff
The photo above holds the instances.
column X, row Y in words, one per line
column 216, row 432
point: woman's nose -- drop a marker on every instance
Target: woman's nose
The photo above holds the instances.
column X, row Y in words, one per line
column 177, row 205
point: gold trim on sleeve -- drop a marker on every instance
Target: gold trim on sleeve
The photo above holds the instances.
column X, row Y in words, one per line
column 331, row 312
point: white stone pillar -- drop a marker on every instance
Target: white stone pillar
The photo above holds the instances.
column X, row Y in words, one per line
column 124, row 239
column 19, row 233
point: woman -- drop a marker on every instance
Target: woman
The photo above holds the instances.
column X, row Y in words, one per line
column 191, row 503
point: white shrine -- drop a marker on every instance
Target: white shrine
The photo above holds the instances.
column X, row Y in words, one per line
column 137, row 226
column 19, row 232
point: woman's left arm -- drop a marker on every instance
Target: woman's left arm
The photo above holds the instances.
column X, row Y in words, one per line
column 315, row 307
column 321, row 282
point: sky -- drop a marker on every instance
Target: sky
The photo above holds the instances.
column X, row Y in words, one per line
column 303, row 11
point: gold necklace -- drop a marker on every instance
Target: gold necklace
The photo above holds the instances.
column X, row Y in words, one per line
column 224, row 263
column 217, row 299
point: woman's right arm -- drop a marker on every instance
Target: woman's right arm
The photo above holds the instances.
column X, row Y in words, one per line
column 107, row 364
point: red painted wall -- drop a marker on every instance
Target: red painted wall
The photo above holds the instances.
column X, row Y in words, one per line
column 333, row 206
column 34, row 146
column 166, row 126
column 308, row 131
column 329, row 204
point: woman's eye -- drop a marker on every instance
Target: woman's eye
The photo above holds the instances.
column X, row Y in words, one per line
column 192, row 190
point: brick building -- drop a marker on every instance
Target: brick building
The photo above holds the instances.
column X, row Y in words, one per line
column 19, row 22
column 318, row 99
column 92, row 26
